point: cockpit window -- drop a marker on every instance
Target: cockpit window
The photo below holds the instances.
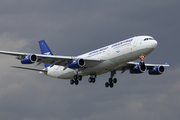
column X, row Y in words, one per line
column 148, row 39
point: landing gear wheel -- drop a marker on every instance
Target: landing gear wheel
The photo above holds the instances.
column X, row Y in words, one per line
column 115, row 80
column 71, row 82
column 76, row 82
column 110, row 80
column 79, row 77
column 75, row 77
column 111, row 85
column 107, row 84
column 93, row 80
column 90, row 80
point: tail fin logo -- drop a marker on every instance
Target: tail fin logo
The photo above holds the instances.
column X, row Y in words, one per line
column 166, row 63
column 47, row 53
column 45, row 50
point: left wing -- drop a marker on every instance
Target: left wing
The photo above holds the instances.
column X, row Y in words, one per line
column 53, row 59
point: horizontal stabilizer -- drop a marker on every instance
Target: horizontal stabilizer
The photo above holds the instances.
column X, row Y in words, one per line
column 29, row 69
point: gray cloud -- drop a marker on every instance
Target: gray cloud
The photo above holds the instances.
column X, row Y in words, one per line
column 76, row 27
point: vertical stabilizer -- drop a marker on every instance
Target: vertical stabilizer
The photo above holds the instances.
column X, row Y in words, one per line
column 45, row 50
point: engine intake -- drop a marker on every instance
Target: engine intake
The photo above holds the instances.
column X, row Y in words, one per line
column 77, row 63
column 29, row 59
column 138, row 69
column 157, row 70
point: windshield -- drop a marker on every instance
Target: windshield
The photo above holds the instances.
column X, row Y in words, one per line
column 148, row 39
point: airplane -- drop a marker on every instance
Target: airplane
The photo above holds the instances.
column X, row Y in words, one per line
column 112, row 58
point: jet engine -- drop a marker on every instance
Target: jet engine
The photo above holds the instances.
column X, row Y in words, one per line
column 77, row 63
column 29, row 59
column 138, row 69
column 157, row 70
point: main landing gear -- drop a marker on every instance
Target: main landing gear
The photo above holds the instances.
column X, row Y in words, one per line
column 92, row 79
column 111, row 80
column 76, row 79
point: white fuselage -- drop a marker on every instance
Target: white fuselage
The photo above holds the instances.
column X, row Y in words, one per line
column 113, row 56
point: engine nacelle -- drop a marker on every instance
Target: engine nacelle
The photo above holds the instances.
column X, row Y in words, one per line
column 77, row 63
column 138, row 69
column 157, row 70
column 29, row 59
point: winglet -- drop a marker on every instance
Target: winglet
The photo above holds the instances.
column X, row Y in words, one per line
column 166, row 63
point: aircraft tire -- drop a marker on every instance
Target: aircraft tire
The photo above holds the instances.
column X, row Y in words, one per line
column 110, row 80
column 71, row 82
column 75, row 77
column 79, row 77
column 90, row 80
column 107, row 84
column 111, row 85
column 115, row 80
column 93, row 80
column 76, row 82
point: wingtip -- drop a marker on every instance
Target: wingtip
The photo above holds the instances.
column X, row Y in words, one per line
column 166, row 63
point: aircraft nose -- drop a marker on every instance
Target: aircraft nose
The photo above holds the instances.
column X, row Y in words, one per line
column 153, row 44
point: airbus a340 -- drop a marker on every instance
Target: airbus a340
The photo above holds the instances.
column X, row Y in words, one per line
column 111, row 58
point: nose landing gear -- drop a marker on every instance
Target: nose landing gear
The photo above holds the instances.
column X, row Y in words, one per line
column 141, row 63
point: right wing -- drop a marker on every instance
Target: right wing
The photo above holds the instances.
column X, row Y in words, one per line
column 130, row 65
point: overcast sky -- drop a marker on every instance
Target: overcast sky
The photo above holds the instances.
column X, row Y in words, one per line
column 73, row 27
